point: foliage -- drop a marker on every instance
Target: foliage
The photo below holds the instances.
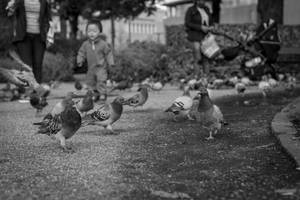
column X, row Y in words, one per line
column 57, row 67
column 270, row 9
column 5, row 29
column 139, row 60
column 121, row 9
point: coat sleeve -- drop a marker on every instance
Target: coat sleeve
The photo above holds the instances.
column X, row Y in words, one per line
column 189, row 23
column 81, row 56
column 109, row 55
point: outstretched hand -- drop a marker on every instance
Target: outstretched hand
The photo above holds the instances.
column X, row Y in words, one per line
column 19, row 78
column 13, row 76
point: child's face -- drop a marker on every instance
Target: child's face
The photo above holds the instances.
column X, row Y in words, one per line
column 93, row 31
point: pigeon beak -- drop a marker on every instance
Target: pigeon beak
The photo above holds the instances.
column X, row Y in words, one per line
column 197, row 97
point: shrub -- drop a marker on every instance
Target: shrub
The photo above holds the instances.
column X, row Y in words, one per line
column 57, row 67
column 68, row 48
column 138, row 61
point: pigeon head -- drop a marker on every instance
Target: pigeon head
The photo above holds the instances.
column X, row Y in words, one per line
column 69, row 99
column 89, row 93
column 203, row 91
column 186, row 90
column 119, row 100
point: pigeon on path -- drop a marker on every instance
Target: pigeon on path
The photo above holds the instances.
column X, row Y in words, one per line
column 182, row 105
column 62, row 122
column 106, row 115
column 138, row 99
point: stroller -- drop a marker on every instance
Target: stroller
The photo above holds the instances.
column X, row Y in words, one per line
column 261, row 51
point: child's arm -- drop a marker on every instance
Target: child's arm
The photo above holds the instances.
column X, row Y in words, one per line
column 81, row 56
column 109, row 55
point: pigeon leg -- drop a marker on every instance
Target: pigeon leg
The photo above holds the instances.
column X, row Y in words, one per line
column 109, row 129
column 210, row 136
column 62, row 140
column 175, row 118
column 38, row 113
column 189, row 117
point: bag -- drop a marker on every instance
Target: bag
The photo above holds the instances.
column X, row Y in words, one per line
column 50, row 35
column 209, row 46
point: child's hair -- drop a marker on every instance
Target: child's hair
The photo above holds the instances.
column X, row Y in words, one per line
column 95, row 22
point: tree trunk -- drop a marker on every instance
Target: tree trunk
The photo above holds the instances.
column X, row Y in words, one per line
column 73, row 19
column 63, row 28
column 270, row 9
column 113, row 32
column 216, row 9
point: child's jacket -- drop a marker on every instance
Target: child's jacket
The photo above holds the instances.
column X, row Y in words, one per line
column 97, row 53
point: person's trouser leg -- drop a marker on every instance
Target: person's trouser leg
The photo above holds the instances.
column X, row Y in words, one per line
column 39, row 48
column 24, row 49
column 205, row 64
column 101, row 82
column 91, row 79
column 197, row 58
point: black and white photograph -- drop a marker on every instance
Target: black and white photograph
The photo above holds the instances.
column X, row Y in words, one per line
column 149, row 99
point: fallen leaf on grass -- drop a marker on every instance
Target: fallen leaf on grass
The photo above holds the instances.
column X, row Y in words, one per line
column 174, row 195
column 286, row 192
column 265, row 146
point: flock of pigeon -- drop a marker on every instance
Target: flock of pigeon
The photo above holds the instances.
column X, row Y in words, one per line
column 69, row 115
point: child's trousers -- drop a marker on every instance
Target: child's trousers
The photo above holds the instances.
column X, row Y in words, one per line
column 96, row 78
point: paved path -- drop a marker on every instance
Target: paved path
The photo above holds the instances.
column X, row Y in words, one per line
column 33, row 167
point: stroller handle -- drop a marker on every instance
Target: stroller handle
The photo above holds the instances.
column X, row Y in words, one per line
column 243, row 46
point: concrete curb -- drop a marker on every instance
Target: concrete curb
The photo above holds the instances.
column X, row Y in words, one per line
column 284, row 130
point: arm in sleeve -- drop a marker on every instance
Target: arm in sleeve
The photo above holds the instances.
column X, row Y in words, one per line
column 109, row 55
column 188, row 21
column 81, row 56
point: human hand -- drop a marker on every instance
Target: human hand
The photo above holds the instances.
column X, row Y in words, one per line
column 12, row 76
column 79, row 63
column 10, row 7
column 50, row 35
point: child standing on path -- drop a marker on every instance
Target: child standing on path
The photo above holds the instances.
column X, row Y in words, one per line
column 99, row 57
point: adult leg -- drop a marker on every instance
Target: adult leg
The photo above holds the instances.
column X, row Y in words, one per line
column 197, row 58
column 24, row 49
column 205, row 64
column 39, row 48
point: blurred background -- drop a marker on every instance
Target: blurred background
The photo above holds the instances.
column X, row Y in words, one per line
column 148, row 36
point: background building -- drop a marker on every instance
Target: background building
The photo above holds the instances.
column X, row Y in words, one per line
column 150, row 28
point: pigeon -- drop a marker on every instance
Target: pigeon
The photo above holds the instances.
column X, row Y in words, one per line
column 78, row 85
column 39, row 102
column 138, row 99
column 273, row 83
column 240, row 87
column 291, row 83
column 54, row 84
column 122, row 85
column 157, row 86
column 61, row 123
column 182, row 105
column 60, row 106
column 209, row 114
column 38, row 98
column 106, row 114
column 87, row 103
column 8, row 93
column 264, row 86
